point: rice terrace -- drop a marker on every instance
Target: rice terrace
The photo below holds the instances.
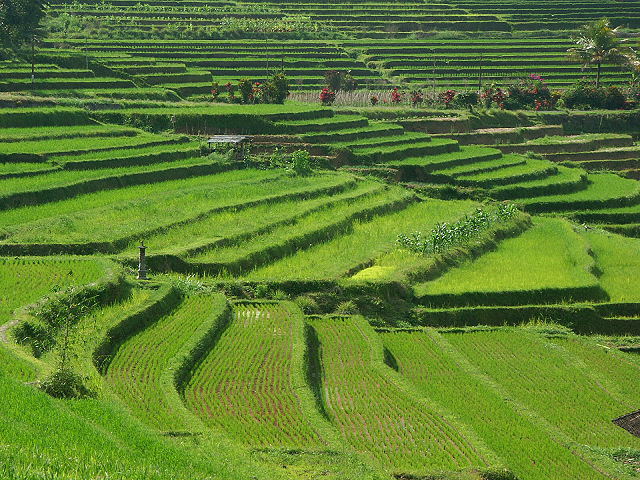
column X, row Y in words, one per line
column 319, row 240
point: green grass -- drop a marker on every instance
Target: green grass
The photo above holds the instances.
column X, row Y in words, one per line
column 148, row 214
column 138, row 369
column 377, row 413
column 69, row 145
column 25, row 280
column 249, row 221
column 129, row 152
column 248, row 385
column 364, row 243
column 442, row 374
column 520, row 264
column 618, row 259
column 47, row 133
column 605, row 189
column 306, row 231
column 551, row 383
column 47, row 438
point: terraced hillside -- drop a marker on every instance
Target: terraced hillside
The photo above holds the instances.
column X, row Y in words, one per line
column 369, row 291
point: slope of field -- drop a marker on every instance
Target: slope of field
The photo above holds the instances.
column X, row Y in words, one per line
column 441, row 374
column 251, row 382
column 520, row 271
column 403, row 432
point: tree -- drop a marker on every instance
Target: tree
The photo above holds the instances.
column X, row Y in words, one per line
column 19, row 21
column 598, row 43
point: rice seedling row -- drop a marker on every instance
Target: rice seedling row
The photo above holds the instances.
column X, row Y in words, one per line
column 136, row 372
column 548, row 381
column 247, row 385
column 403, row 433
column 437, row 370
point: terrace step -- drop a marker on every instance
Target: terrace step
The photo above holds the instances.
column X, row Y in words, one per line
column 491, row 136
column 401, row 151
column 436, row 125
column 628, row 230
column 388, row 141
column 483, row 166
column 530, row 170
column 564, row 181
column 337, row 122
column 416, row 168
column 554, row 150
column 624, row 153
column 373, row 130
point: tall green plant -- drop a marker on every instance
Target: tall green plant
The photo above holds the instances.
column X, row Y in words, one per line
column 598, row 43
column 19, row 21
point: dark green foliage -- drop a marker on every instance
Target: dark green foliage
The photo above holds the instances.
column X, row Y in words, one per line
column 19, row 21
column 300, row 163
column 65, row 383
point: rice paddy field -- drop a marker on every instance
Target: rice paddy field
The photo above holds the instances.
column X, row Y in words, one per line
column 384, row 289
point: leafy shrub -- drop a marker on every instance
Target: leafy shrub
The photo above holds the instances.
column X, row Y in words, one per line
column 327, row 97
column 307, row 304
column 215, row 90
column 584, row 95
column 246, row 88
column 614, row 99
column 447, row 97
column 300, row 163
column 417, row 98
column 530, row 92
column 396, row 96
column 65, row 383
column 348, row 307
column 336, row 81
column 494, row 94
column 467, row 99
column 333, row 79
column 276, row 90
column 446, row 235
column 374, row 100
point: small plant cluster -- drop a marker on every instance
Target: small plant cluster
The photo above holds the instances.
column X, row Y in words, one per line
column 446, row 235
column 530, row 92
column 297, row 163
column 275, row 90
column 448, row 97
column 327, row 97
column 585, row 95
column 337, row 81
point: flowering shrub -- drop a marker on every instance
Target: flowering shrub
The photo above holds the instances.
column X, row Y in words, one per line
column 467, row 99
column 327, row 97
column 530, row 92
column 493, row 95
column 416, row 98
column 374, row 100
column 448, row 97
column 336, row 80
column 396, row 96
column 231, row 90
column 246, row 88
column 215, row 90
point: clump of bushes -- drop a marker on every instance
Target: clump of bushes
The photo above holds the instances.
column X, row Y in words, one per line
column 327, row 97
column 446, row 235
column 336, row 81
column 274, row 90
column 585, row 95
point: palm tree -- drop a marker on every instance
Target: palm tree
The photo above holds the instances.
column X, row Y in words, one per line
column 597, row 43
